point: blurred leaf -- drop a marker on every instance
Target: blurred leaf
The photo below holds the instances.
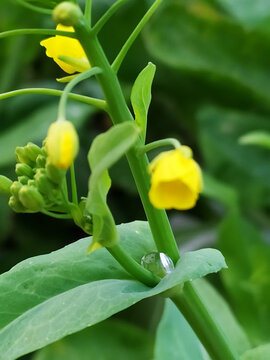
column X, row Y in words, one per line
column 105, row 150
column 260, row 353
column 175, row 338
column 186, row 38
column 34, row 128
column 108, row 340
column 245, row 168
column 141, row 96
column 259, row 138
column 40, row 316
column 248, row 278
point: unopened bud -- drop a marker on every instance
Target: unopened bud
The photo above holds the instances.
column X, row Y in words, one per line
column 44, row 184
column 31, row 198
column 5, row 184
column 23, row 179
column 16, row 205
column 24, row 170
column 54, row 174
column 67, row 13
column 41, row 161
column 15, row 188
column 22, row 156
column 62, row 144
column 32, row 151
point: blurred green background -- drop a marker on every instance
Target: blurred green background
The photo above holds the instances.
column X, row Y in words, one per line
column 211, row 86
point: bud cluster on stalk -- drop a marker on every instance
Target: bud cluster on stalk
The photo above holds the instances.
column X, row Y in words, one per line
column 39, row 183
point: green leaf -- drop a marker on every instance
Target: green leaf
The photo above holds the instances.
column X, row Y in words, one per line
column 106, row 341
column 34, row 128
column 260, row 138
column 175, row 337
column 259, row 353
column 48, row 297
column 141, row 96
column 247, row 280
column 106, row 149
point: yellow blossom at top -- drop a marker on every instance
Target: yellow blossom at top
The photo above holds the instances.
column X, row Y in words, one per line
column 62, row 144
column 176, row 180
column 64, row 46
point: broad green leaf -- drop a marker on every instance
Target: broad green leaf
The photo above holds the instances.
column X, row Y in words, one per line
column 106, row 149
column 188, row 40
column 141, row 96
column 259, row 353
column 175, row 339
column 40, row 318
column 106, row 341
column 34, row 128
column 247, row 280
column 259, row 138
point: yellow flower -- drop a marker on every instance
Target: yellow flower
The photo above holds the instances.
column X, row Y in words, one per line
column 62, row 144
column 64, row 46
column 176, row 180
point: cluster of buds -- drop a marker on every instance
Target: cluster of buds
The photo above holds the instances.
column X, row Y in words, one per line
column 39, row 183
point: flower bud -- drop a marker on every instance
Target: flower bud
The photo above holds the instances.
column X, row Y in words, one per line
column 15, row 188
column 5, row 184
column 32, row 151
column 24, row 170
column 31, row 198
column 23, row 179
column 54, row 174
column 41, row 161
column 16, row 205
column 62, row 144
column 22, row 157
column 67, row 13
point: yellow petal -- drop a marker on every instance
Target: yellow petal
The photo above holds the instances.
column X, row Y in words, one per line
column 176, row 181
column 64, row 46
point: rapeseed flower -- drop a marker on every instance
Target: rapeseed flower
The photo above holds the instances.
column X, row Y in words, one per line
column 176, row 180
column 62, row 144
column 58, row 46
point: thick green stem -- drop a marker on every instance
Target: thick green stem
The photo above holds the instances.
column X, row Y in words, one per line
column 206, row 328
column 119, row 113
column 135, row 269
column 73, row 185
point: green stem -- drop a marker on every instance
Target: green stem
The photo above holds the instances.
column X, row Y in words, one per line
column 119, row 113
column 123, row 52
column 206, row 328
column 73, row 185
column 56, row 216
column 100, row 104
column 108, row 14
column 70, row 86
column 49, row 32
column 88, row 12
column 135, row 269
column 35, row 8
column 156, row 144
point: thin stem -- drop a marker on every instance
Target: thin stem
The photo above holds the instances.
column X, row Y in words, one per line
column 206, row 328
column 70, row 86
column 106, row 17
column 73, row 185
column 100, row 104
column 35, row 8
column 56, row 216
column 88, row 12
column 159, row 143
column 135, row 269
column 49, row 32
column 123, row 52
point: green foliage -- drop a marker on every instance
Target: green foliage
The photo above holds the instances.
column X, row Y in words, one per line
column 120, row 338
column 105, row 150
column 259, row 353
column 259, row 138
column 141, row 96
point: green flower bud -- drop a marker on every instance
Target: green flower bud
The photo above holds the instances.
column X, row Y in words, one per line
column 31, row 182
column 5, row 184
column 23, row 179
column 67, row 14
column 32, row 151
column 22, row 157
column 16, row 205
column 56, row 175
column 31, row 198
column 15, row 188
column 41, row 161
column 24, row 170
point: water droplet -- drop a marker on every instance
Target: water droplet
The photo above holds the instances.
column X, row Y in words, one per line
column 158, row 263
